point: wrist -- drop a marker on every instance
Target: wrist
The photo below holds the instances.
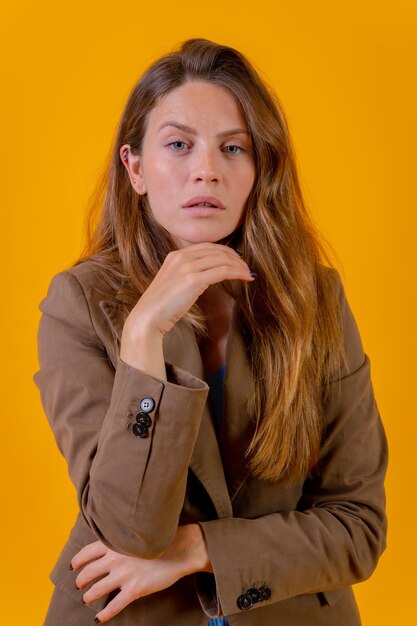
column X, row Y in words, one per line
column 142, row 348
column 198, row 559
column 140, row 331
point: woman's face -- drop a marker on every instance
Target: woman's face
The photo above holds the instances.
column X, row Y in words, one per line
column 196, row 144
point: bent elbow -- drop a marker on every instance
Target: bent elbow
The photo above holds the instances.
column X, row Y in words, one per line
column 116, row 534
column 369, row 552
column 150, row 547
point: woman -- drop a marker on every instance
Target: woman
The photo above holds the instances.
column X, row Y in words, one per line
column 257, row 498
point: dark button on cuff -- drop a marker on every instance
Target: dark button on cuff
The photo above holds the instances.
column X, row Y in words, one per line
column 139, row 430
column 144, row 420
column 244, row 602
column 254, row 594
column 265, row 593
column 147, row 405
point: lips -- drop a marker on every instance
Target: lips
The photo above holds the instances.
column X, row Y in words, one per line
column 208, row 200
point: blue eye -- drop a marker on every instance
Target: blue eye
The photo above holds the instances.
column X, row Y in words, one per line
column 238, row 147
column 177, row 142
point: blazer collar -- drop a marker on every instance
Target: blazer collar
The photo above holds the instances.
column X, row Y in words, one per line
column 219, row 465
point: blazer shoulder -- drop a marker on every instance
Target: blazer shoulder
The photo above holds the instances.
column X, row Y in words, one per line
column 90, row 277
column 85, row 278
column 74, row 294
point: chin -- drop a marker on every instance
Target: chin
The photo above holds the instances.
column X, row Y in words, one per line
column 203, row 238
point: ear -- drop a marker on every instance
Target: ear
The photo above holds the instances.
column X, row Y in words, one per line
column 133, row 165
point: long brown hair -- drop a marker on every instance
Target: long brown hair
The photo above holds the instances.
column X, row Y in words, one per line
column 290, row 313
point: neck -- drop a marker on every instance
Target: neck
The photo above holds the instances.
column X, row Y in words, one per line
column 217, row 305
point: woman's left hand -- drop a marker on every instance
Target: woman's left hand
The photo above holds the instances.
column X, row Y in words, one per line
column 137, row 577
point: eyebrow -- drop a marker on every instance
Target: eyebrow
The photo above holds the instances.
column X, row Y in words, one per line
column 187, row 129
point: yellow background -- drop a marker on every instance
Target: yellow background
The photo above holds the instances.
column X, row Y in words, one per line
column 346, row 75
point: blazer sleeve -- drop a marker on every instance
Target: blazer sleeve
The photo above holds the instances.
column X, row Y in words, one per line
column 91, row 407
column 338, row 531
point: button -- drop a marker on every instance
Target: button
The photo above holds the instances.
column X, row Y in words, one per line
column 147, row 405
column 254, row 594
column 265, row 593
column 244, row 602
column 139, row 430
column 144, row 420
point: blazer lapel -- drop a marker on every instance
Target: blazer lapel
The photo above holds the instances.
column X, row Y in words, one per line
column 181, row 349
column 237, row 427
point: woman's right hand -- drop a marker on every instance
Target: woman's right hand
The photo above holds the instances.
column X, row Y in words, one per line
column 183, row 277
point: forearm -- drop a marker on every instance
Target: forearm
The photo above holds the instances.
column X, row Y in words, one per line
column 137, row 485
column 293, row 553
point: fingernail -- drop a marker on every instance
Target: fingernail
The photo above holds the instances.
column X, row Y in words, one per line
column 71, row 567
column 253, row 274
column 239, row 253
column 97, row 621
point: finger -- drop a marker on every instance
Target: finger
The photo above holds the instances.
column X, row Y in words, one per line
column 101, row 589
column 227, row 249
column 90, row 551
column 119, row 602
column 95, row 569
column 223, row 272
column 211, row 260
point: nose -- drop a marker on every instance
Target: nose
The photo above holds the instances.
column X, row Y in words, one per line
column 206, row 166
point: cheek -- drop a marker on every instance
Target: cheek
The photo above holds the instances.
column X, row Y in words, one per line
column 166, row 176
column 247, row 180
column 157, row 172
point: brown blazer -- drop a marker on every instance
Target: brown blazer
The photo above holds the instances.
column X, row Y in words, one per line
column 307, row 541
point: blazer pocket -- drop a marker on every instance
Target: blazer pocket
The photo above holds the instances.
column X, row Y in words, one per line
column 64, row 578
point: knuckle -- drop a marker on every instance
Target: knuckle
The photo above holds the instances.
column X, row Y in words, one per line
column 223, row 269
column 113, row 608
column 112, row 557
column 170, row 256
column 191, row 280
column 91, row 595
column 134, row 588
column 187, row 268
column 202, row 287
